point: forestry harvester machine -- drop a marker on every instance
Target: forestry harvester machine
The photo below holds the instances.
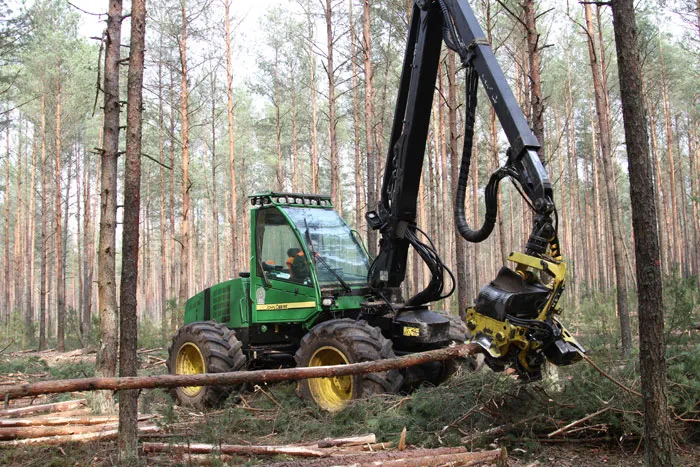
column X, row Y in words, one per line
column 314, row 297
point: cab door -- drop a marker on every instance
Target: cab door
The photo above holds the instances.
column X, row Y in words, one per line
column 282, row 286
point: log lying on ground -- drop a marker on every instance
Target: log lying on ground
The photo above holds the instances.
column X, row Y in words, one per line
column 358, row 440
column 78, row 438
column 236, row 449
column 495, row 457
column 44, row 408
column 20, row 432
column 311, row 449
column 349, row 441
column 216, row 379
column 412, row 457
column 62, row 420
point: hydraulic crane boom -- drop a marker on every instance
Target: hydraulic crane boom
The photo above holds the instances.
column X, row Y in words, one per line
column 516, row 302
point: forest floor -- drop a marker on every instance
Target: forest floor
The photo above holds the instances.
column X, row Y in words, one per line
column 481, row 411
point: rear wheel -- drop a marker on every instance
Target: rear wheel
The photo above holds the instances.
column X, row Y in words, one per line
column 204, row 347
column 340, row 342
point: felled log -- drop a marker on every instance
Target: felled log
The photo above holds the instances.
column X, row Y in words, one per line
column 223, row 379
column 349, row 441
column 18, row 432
column 412, row 457
column 236, row 449
column 497, row 457
column 42, row 408
column 78, row 438
column 346, row 449
column 63, row 420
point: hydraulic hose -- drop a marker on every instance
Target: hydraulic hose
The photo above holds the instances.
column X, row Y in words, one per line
column 491, row 192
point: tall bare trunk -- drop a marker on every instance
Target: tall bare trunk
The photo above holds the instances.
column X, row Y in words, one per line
column 7, row 283
column 660, row 187
column 128, row 361
column 533, row 49
column 31, row 240
column 58, row 233
column 236, row 248
column 214, row 192
column 164, row 257
column 185, row 139
column 360, row 200
column 610, row 184
column 18, row 238
column 174, row 272
column 106, row 281
column 659, row 444
column 674, row 234
column 278, row 122
column 336, row 191
column 370, row 137
column 295, row 131
column 693, row 146
column 313, row 125
column 44, row 231
column 86, row 261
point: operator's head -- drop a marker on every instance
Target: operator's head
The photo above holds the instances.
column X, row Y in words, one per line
column 293, row 252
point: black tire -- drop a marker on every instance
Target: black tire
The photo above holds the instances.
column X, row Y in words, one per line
column 356, row 341
column 437, row 373
column 220, row 351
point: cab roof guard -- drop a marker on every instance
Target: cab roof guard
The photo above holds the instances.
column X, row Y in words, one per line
column 290, row 199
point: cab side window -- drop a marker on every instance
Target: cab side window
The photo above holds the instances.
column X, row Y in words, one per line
column 279, row 253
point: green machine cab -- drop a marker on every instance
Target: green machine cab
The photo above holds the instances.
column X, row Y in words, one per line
column 305, row 301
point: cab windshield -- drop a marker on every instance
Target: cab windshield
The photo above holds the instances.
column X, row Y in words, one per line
column 339, row 255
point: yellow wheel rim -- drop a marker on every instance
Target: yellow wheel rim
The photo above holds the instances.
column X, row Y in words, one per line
column 330, row 393
column 190, row 361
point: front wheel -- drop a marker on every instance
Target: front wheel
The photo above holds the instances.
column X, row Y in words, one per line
column 203, row 347
column 339, row 342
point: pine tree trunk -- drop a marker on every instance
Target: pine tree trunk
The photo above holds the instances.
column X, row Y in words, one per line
column 360, row 199
column 20, row 223
column 660, row 187
column 106, row 281
column 336, row 191
column 44, row 231
column 658, row 437
column 610, row 184
column 370, row 137
column 183, row 290
column 674, row 236
column 295, row 148
column 214, row 192
column 7, row 285
column 236, row 250
column 164, row 257
column 31, row 240
column 278, row 123
column 313, row 125
column 58, row 233
column 87, row 257
column 536, row 100
column 693, row 146
column 174, row 271
column 128, row 361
